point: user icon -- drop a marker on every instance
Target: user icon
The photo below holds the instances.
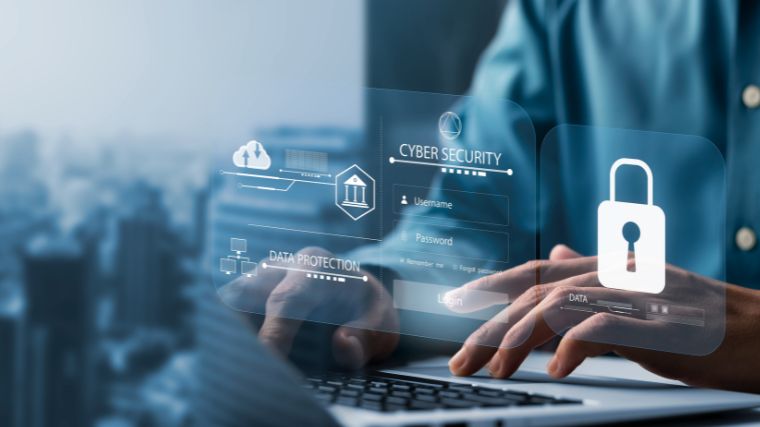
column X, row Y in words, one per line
column 403, row 200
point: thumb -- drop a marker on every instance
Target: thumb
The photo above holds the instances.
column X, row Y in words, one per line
column 562, row 252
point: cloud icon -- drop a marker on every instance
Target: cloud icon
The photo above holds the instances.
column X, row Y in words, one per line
column 253, row 156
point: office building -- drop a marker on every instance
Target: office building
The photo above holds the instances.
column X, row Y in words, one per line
column 148, row 280
column 58, row 349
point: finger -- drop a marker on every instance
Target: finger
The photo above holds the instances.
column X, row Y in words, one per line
column 373, row 336
column 530, row 332
column 543, row 323
column 560, row 252
column 476, row 351
column 480, row 347
column 286, row 308
column 510, row 284
column 278, row 333
column 571, row 352
column 290, row 302
column 596, row 336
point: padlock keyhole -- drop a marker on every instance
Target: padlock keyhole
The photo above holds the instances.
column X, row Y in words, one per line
column 631, row 233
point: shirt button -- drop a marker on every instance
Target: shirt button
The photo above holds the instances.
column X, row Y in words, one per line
column 746, row 239
column 751, row 96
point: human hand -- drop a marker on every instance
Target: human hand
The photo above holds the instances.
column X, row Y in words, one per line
column 504, row 342
column 369, row 322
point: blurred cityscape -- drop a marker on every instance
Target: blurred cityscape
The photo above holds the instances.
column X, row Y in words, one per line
column 107, row 312
column 108, row 316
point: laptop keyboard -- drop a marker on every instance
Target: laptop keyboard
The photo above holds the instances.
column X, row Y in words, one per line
column 389, row 392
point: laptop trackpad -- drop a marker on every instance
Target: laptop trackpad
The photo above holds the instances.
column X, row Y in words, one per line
column 598, row 371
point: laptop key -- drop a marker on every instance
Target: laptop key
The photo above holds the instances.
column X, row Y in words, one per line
column 515, row 396
column 460, row 387
column 486, row 392
column 394, row 407
column 396, row 400
column 324, row 397
column 487, row 401
column 420, row 405
column 372, row 396
column 538, row 398
column 426, row 397
column 453, row 394
column 347, row 401
column 456, row 403
column 371, row 405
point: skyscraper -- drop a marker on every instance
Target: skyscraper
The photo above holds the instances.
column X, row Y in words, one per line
column 147, row 274
column 11, row 359
column 58, row 345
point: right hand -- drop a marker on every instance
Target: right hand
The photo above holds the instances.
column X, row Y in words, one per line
column 369, row 322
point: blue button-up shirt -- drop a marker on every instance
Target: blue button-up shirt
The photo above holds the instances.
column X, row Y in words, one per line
column 672, row 66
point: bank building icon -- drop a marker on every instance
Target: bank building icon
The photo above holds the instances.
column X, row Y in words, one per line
column 355, row 192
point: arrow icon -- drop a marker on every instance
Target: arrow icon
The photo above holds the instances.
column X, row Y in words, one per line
column 258, row 150
column 246, row 156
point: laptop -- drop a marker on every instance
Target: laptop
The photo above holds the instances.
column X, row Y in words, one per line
column 424, row 393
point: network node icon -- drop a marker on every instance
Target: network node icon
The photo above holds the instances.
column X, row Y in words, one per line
column 228, row 265
column 238, row 245
column 355, row 192
column 248, row 268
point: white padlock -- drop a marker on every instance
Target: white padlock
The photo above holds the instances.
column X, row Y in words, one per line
column 635, row 228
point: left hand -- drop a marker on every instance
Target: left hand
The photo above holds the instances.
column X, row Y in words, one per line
column 368, row 321
column 504, row 342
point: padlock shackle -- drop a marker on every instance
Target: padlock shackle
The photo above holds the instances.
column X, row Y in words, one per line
column 632, row 162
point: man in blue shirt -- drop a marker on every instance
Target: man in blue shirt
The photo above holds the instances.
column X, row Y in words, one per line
column 675, row 66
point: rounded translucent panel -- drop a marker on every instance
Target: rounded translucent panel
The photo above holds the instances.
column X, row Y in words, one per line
column 435, row 192
column 648, row 209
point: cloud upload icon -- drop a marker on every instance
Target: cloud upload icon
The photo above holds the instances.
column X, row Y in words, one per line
column 252, row 156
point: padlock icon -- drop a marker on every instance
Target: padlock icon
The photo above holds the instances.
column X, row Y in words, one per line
column 625, row 228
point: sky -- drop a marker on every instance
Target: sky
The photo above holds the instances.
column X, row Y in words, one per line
column 200, row 71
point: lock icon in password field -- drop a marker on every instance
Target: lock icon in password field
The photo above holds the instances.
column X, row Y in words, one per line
column 631, row 228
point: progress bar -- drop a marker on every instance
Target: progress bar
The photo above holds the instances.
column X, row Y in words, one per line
column 393, row 160
column 307, row 173
column 312, row 272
